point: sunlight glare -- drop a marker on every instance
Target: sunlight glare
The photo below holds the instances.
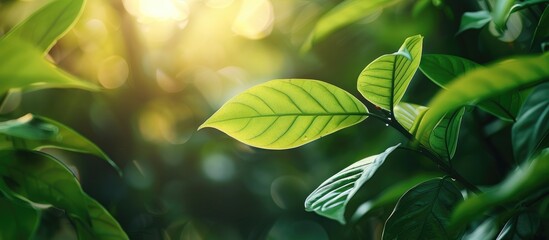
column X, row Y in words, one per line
column 148, row 11
column 255, row 19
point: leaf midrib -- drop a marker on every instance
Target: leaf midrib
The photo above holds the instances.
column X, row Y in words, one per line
column 294, row 115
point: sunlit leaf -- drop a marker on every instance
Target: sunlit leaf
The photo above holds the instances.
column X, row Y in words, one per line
column 24, row 67
column 542, row 29
column 424, row 212
column 41, row 179
column 28, row 127
column 17, row 221
column 103, row 226
column 474, row 20
column 345, row 13
column 45, row 26
column 332, row 196
column 444, row 138
column 384, row 81
column 282, row 114
column 522, row 226
column 483, row 83
column 409, row 115
column 442, row 69
column 520, row 183
column 531, row 128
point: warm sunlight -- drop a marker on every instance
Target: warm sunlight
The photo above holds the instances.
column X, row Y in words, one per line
column 157, row 10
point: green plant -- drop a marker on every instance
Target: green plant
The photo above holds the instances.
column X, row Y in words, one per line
column 287, row 113
column 31, row 180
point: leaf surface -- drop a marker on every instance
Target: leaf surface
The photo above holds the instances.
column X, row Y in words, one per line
column 522, row 226
column 103, row 226
column 409, row 115
column 17, row 221
column 474, row 20
column 288, row 113
column 444, row 137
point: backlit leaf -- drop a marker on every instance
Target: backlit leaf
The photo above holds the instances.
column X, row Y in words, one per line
column 384, row 81
column 409, row 115
column 24, row 67
column 103, row 226
column 28, row 127
column 18, row 221
column 45, row 26
column 424, row 212
column 332, row 196
column 531, row 128
column 282, row 114
column 483, row 83
column 443, row 139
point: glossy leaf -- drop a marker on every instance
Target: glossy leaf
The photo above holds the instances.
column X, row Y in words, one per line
column 523, row 226
column 483, row 83
column 345, row 13
column 474, row 20
column 409, row 115
column 486, row 230
column 384, row 81
column 17, row 221
column 503, row 9
column 332, row 196
column 33, row 132
column 424, row 212
column 39, row 178
column 282, row 114
column 103, row 226
column 444, row 138
column 24, row 67
column 542, row 29
column 531, row 178
column 531, row 128
column 45, row 26
column 442, row 69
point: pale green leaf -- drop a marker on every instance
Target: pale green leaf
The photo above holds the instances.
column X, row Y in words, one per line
column 424, row 212
column 103, row 226
column 483, row 83
column 531, row 128
column 35, row 132
column 45, row 26
column 345, row 13
column 385, row 80
column 39, row 178
column 474, row 20
column 409, row 115
column 532, row 177
column 332, row 196
column 282, row 114
column 24, row 67
column 444, row 137
column 17, row 221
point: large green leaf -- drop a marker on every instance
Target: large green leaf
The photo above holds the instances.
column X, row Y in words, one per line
column 342, row 15
column 48, row 24
column 424, row 212
column 282, row 114
column 483, row 83
column 442, row 69
column 35, row 132
column 332, row 196
column 17, row 221
column 103, row 226
column 503, row 9
column 532, row 177
column 444, row 138
column 531, row 128
column 474, row 20
column 522, row 226
column 39, row 178
column 409, row 115
column 384, row 81
column 24, row 67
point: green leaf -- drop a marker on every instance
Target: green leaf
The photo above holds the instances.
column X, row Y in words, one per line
column 444, row 137
column 345, row 13
column 542, row 29
column 41, row 179
column 389, row 196
column 474, row 20
column 332, row 196
column 45, row 26
column 17, row 221
column 503, row 9
column 282, row 114
column 409, row 115
column 531, row 128
column 529, row 179
column 483, row 83
column 33, row 132
column 442, row 69
column 523, row 226
column 424, row 212
column 103, row 226
column 24, row 67
column 384, row 81
column 486, row 230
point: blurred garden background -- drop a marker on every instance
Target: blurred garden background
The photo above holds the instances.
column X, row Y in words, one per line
column 166, row 65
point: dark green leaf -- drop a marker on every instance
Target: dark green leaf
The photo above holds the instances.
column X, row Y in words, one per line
column 385, row 80
column 333, row 195
column 45, row 26
column 103, row 226
column 486, row 230
column 17, row 221
column 542, row 30
column 531, row 128
column 474, row 20
column 444, row 137
column 282, row 114
column 424, row 212
column 523, row 226
column 24, row 67
column 503, row 9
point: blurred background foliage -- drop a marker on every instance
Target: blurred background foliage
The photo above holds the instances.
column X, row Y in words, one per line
column 166, row 65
